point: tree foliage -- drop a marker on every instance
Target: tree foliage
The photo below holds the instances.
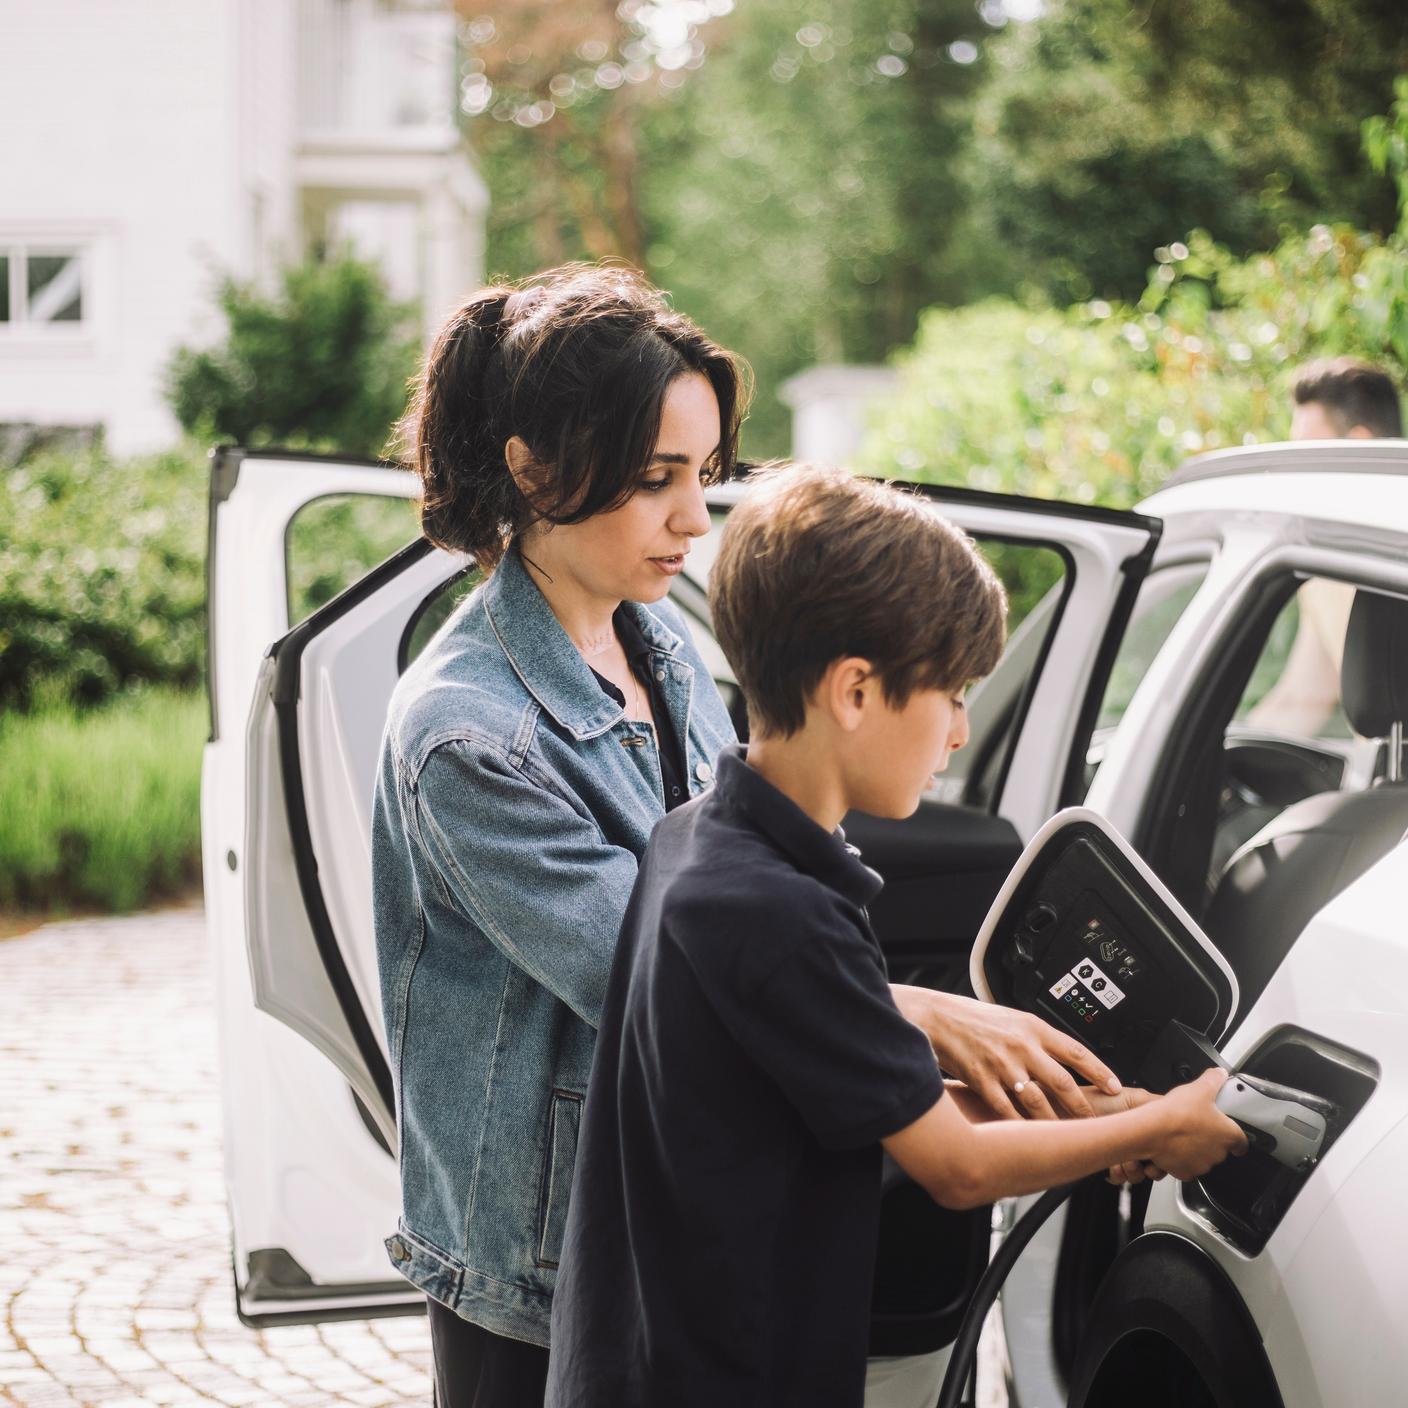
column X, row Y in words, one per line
column 557, row 98
column 323, row 362
column 1099, row 402
column 1109, row 128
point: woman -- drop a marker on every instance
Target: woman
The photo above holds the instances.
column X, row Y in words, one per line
column 564, row 431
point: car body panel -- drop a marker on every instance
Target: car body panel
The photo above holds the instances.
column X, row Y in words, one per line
column 1348, row 1227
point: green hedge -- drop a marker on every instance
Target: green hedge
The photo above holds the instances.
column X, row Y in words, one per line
column 101, row 808
column 102, row 571
column 102, row 579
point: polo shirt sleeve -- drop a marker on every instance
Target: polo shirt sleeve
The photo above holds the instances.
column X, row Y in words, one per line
column 823, row 1024
column 533, row 873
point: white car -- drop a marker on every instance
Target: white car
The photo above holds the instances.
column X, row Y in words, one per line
column 1175, row 670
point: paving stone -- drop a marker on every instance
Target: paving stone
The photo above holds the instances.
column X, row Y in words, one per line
column 112, row 1205
column 115, row 1283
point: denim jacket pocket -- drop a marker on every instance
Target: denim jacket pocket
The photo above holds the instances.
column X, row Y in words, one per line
column 564, row 1119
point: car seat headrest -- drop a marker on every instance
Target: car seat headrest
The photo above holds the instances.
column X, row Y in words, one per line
column 1374, row 674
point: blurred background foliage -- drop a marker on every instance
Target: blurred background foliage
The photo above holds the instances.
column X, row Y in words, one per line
column 1093, row 237
column 807, row 176
column 321, row 363
column 102, row 576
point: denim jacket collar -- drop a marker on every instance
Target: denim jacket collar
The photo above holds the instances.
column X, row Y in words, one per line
column 542, row 654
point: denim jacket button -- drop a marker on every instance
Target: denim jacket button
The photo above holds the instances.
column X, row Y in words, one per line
column 660, row 675
column 398, row 1251
column 703, row 772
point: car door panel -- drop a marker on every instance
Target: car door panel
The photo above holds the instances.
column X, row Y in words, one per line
column 307, row 1168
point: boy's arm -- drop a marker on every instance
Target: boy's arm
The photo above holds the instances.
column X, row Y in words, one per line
column 963, row 1165
column 991, row 1048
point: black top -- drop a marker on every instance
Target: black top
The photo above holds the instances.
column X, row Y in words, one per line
column 721, row 1232
column 673, row 768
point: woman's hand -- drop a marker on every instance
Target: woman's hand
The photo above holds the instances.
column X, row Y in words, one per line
column 994, row 1049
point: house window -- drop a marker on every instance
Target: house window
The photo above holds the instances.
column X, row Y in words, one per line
column 42, row 286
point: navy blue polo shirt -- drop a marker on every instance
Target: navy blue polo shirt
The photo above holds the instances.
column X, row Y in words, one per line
column 721, row 1234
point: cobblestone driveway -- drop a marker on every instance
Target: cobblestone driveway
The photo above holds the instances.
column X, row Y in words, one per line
column 114, row 1251
column 114, row 1245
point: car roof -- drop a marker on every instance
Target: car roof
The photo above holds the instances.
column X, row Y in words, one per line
column 1343, row 481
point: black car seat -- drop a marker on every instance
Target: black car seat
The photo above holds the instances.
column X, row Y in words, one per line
column 1300, row 860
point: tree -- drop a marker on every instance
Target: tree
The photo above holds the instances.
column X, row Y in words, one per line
column 323, row 363
column 788, row 171
column 1109, row 129
column 806, row 197
column 1101, row 401
column 556, row 97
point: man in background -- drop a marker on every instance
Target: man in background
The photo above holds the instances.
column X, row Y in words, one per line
column 1344, row 399
column 1339, row 399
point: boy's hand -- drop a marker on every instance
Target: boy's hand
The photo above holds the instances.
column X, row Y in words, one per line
column 1194, row 1134
column 1130, row 1098
column 994, row 1049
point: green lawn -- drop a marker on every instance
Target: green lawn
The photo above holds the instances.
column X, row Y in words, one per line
column 101, row 809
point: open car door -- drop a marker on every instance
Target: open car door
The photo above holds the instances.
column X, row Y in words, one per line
column 305, row 1088
column 299, row 707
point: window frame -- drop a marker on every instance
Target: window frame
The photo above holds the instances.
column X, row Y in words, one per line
column 18, row 251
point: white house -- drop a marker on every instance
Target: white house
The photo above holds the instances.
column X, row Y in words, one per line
column 148, row 146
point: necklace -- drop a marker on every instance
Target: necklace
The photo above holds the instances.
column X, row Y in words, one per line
column 594, row 645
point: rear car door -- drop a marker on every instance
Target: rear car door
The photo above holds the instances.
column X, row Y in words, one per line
column 299, row 707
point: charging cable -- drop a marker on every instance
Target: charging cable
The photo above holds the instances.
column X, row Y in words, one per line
column 965, row 1345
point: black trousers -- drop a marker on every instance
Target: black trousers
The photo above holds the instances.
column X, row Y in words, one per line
column 477, row 1369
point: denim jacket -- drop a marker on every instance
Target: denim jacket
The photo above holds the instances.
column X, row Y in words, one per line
column 513, row 802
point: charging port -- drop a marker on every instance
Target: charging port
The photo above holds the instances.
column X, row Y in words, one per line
column 1246, row 1198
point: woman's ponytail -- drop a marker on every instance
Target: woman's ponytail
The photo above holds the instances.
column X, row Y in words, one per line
column 448, row 435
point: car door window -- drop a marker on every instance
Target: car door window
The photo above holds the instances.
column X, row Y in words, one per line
column 334, row 541
column 1034, row 575
column 1294, row 690
column 1162, row 600
column 1288, row 738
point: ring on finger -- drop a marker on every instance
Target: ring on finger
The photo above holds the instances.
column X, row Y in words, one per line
column 1019, row 1086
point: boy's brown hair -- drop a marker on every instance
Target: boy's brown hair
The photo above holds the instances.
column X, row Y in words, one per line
column 817, row 565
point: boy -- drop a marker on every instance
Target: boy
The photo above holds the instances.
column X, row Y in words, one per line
column 751, row 1062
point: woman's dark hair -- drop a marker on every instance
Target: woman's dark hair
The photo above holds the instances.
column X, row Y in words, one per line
column 576, row 362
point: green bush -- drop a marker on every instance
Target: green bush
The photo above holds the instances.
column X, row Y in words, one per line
column 1099, row 402
column 102, row 580
column 323, row 364
column 101, row 808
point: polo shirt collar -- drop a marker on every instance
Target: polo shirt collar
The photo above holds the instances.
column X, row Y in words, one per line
column 827, row 855
column 542, row 654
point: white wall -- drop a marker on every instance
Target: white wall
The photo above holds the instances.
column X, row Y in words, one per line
column 117, row 130
column 830, row 406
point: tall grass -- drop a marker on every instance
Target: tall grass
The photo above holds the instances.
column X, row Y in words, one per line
column 101, row 808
